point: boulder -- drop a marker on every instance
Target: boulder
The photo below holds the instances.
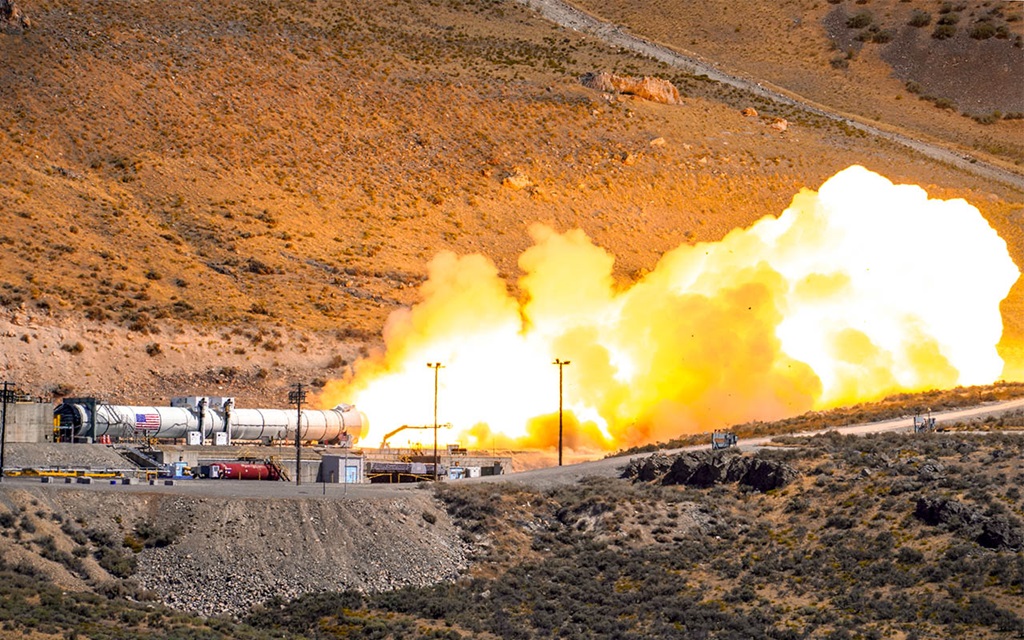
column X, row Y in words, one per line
column 517, row 181
column 11, row 16
column 765, row 475
column 749, row 112
column 1001, row 533
column 648, row 88
column 997, row 532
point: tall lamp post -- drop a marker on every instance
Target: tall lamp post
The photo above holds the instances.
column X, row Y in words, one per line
column 435, row 366
column 561, row 365
column 6, row 396
column 297, row 397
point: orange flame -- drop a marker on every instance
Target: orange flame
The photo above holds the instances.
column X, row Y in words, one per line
column 860, row 290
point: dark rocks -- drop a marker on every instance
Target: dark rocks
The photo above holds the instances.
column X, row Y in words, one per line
column 1001, row 533
column 763, row 475
column 648, row 469
column 955, row 515
column 12, row 17
column 997, row 532
column 707, row 468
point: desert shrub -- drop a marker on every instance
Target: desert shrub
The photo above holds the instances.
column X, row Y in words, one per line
column 882, row 36
column 76, row 534
column 859, row 20
column 919, row 18
column 153, row 349
column 73, row 349
column 115, row 561
column 944, row 31
column 982, row 30
column 988, row 118
column 153, row 275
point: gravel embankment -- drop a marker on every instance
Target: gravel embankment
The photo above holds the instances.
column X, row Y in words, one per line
column 48, row 455
column 234, row 547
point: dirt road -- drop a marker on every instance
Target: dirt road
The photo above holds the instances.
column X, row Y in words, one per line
column 609, row 467
column 570, row 17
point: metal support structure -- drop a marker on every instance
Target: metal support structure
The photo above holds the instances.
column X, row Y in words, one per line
column 436, row 366
column 6, row 397
column 561, row 365
column 297, row 397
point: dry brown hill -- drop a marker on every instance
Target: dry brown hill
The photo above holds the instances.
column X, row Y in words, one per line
column 934, row 68
column 199, row 194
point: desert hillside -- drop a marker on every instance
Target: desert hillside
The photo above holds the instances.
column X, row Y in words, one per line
column 885, row 536
column 937, row 69
column 230, row 195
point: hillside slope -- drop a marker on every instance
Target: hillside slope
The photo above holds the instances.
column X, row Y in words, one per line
column 892, row 535
column 237, row 196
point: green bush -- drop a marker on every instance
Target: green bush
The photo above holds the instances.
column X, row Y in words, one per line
column 982, row 30
column 919, row 18
column 859, row 20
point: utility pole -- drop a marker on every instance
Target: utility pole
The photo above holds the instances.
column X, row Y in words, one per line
column 561, row 364
column 297, row 397
column 7, row 396
column 435, row 366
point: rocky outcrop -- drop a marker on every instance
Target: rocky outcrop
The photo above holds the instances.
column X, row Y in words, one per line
column 707, row 468
column 762, row 475
column 995, row 532
column 12, row 17
column 648, row 88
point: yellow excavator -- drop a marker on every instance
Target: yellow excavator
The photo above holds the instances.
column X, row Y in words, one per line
column 387, row 436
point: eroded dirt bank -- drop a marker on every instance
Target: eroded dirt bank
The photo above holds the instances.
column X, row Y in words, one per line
column 218, row 550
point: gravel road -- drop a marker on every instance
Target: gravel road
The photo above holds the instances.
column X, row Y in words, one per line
column 612, row 467
column 570, row 17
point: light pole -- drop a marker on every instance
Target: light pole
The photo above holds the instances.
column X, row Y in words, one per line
column 6, row 396
column 297, row 397
column 435, row 366
column 561, row 365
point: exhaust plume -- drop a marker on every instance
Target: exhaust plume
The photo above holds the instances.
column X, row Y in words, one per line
column 860, row 290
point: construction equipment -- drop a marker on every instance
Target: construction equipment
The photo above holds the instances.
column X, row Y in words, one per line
column 387, row 436
column 723, row 440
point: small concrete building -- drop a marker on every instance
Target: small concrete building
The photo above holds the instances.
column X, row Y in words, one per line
column 342, row 469
column 29, row 422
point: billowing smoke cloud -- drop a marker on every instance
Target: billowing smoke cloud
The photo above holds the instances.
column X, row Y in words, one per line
column 855, row 292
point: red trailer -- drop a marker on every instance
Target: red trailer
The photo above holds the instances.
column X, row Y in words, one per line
column 246, row 470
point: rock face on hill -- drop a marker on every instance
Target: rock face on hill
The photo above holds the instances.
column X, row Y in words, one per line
column 708, row 468
column 12, row 17
column 648, row 88
column 994, row 532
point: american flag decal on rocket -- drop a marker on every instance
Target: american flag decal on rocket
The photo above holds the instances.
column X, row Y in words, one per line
column 147, row 421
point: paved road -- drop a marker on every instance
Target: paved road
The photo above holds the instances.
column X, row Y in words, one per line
column 570, row 17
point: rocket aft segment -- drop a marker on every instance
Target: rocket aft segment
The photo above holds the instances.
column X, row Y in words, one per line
column 80, row 418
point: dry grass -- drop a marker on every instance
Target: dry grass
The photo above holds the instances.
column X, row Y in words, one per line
column 295, row 165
